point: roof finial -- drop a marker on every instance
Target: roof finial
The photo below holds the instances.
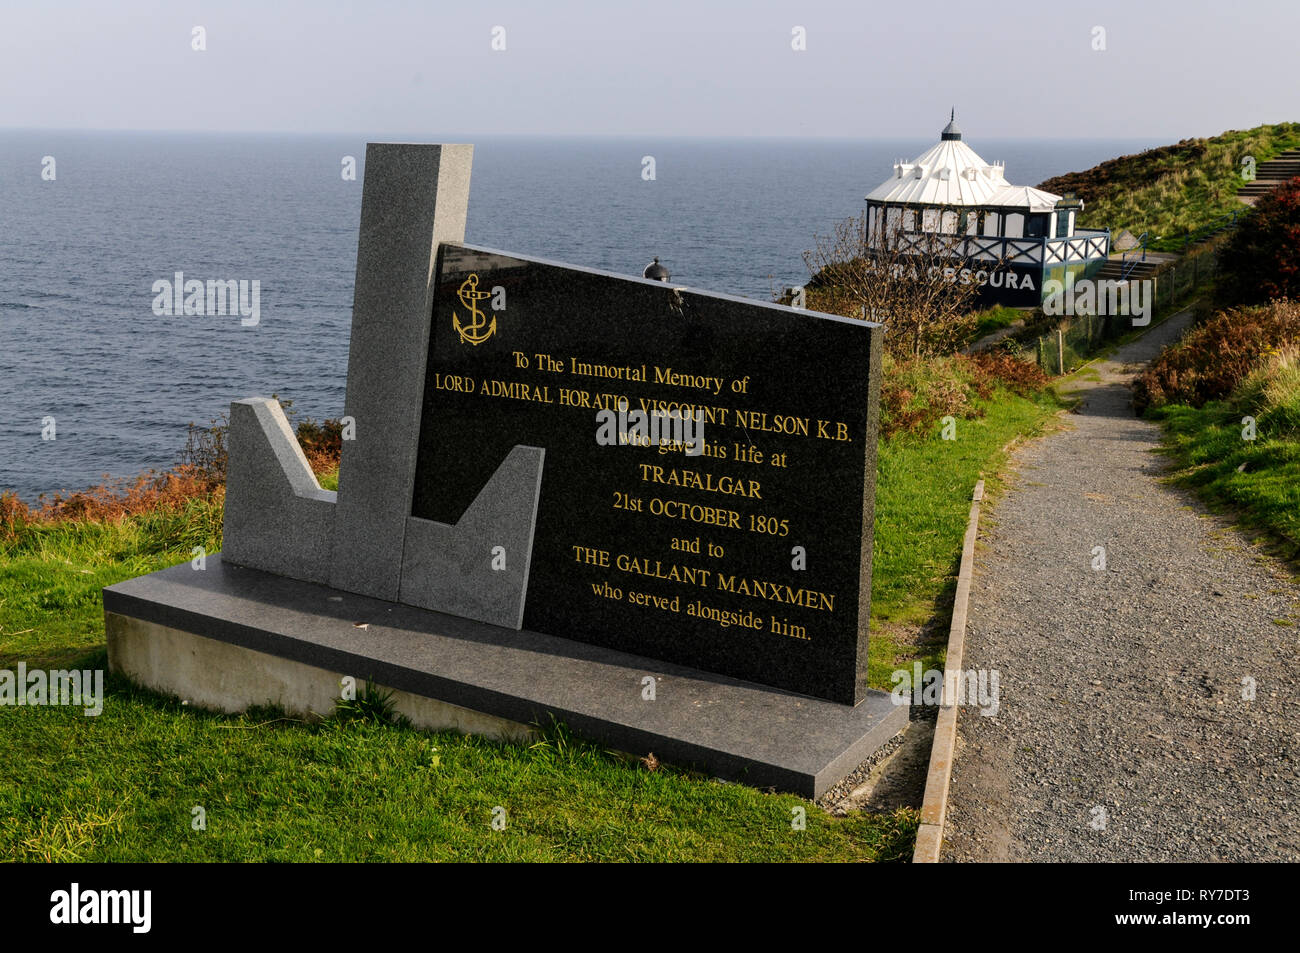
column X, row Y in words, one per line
column 950, row 131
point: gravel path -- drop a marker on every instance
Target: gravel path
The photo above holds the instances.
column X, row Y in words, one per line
column 1122, row 732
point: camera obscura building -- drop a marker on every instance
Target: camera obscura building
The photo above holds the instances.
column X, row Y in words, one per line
column 983, row 220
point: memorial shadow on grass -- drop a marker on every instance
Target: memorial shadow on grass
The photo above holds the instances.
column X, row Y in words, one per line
column 123, row 787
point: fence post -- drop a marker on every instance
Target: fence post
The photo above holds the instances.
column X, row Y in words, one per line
column 1060, row 349
column 1040, row 352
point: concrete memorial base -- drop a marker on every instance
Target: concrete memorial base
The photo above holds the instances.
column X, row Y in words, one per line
column 229, row 637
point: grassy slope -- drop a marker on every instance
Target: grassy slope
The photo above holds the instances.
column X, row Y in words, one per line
column 1174, row 189
column 51, row 576
column 922, row 504
column 1207, row 447
column 1240, row 449
column 995, row 319
column 121, row 786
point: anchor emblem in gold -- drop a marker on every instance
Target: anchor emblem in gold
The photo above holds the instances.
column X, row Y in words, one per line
column 473, row 332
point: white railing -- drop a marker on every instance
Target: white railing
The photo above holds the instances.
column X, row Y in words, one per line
column 1082, row 246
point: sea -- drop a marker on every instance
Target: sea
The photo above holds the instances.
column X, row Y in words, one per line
column 89, row 221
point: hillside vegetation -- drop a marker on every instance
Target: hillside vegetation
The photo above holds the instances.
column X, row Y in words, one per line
column 1173, row 190
column 1228, row 393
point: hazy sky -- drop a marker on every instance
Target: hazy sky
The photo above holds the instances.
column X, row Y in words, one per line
column 1170, row 68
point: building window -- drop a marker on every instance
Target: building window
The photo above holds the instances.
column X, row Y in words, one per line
column 949, row 223
column 1035, row 226
column 991, row 223
column 1015, row 225
column 930, row 220
column 909, row 220
column 1062, row 224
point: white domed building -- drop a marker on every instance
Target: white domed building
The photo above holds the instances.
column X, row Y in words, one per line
column 950, row 190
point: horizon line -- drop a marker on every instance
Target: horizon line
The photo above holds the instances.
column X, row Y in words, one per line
column 462, row 136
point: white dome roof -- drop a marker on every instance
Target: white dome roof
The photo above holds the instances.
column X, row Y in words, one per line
column 951, row 173
column 1024, row 196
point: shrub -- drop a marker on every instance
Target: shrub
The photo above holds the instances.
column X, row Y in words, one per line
column 14, row 515
column 1271, row 394
column 205, row 451
column 916, row 393
column 148, row 494
column 1000, row 367
column 1217, row 356
column 322, row 443
column 1261, row 260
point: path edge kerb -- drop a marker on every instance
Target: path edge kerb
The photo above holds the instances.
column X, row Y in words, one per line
column 934, row 806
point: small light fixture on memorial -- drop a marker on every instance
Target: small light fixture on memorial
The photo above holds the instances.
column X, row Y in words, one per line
column 656, row 272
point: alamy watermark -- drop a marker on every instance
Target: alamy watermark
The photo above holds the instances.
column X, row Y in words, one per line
column 672, row 429
column 1107, row 297
column 56, row 687
column 128, row 907
column 216, row 298
column 976, row 687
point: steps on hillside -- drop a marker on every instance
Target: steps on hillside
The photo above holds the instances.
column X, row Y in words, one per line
column 1114, row 268
column 1201, row 239
column 1270, row 174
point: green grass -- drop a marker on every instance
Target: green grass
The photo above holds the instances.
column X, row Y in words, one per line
column 995, row 319
column 1207, row 448
column 51, row 576
column 1171, row 191
column 923, row 493
column 1257, row 479
column 121, row 786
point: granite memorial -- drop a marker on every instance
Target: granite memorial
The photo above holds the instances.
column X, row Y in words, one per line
column 733, row 542
column 563, row 485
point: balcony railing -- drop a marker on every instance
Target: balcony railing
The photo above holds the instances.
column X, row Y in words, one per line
column 1083, row 245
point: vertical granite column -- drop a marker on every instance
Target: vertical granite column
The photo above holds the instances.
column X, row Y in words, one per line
column 415, row 197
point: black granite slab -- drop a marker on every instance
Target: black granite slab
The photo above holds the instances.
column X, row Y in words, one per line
column 688, row 558
column 737, row 730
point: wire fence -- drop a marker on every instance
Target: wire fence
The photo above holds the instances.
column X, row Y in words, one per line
column 1062, row 346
